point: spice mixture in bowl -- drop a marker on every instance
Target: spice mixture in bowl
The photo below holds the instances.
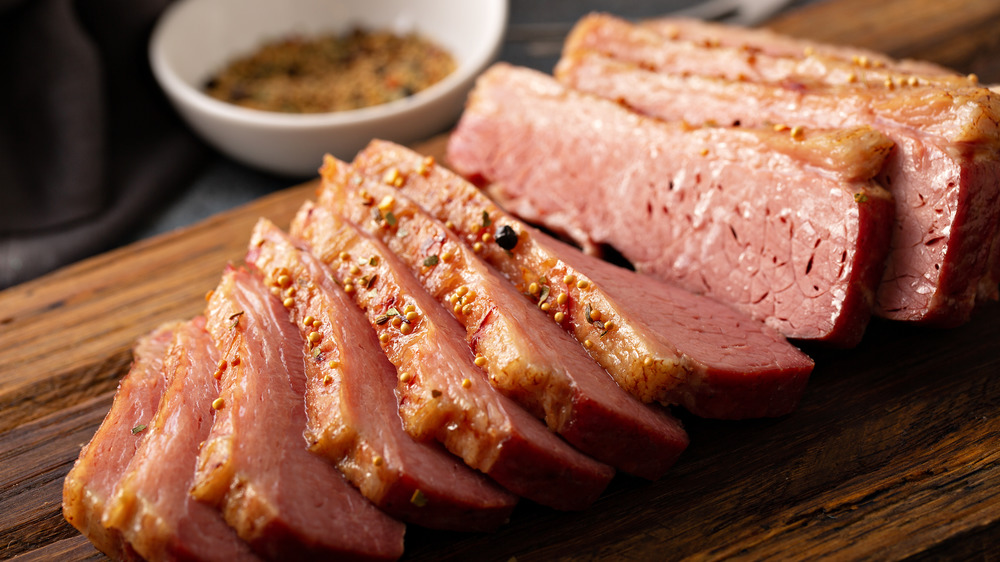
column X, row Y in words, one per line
column 286, row 132
column 332, row 72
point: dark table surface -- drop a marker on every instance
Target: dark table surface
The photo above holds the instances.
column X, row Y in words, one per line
column 535, row 31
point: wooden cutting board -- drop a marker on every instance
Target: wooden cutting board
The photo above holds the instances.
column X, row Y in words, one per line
column 893, row 453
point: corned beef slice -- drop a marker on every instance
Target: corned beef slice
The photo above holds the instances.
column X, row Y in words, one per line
column 660, row 343
column 719, row 51
column 443, row 394
column 284, row 501
column 757, row 40
column 351, row 404
column 943, row 173
column 90, row 484
column 151, row 506
column 788, row 228
column 528, row 357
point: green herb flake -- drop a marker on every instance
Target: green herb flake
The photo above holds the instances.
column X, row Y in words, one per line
column 235, row 319
column 861, row 197
column 315, row 352
column 138, row 429
column 486, row 219
column 544, row 294
column 586, row 312
column 382, row 319
column 373, row 261
column 370, row 281
column 390, row 219
column 393, row 312
column 431, row 260
column 418, row 498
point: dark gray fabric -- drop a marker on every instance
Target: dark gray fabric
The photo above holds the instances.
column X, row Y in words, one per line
column 88, row 144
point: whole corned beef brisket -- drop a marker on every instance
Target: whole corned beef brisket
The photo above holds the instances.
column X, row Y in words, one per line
column 788, row 226
column 943, row 172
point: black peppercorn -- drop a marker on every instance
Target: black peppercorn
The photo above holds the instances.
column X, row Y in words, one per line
column 506, row 237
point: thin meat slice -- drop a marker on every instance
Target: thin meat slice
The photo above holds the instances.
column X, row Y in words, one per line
column 254, row 466
column 151, row 507
column 352, row 413
column 90, row 483
column 443, row 393
column 945, row 128
column 711, row 54
column 528, row 357
column 659, row 342
column 787, row 227
column 757, row 40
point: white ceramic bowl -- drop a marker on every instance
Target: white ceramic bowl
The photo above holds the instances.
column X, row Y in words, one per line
column 196, row 38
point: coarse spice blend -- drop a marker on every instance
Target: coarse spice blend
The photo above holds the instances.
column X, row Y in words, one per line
column 332, row 72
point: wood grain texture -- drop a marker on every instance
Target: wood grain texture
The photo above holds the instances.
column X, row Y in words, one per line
column 893, row 454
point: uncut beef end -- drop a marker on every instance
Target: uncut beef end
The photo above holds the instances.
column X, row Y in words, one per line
column 352, row 413
column 659, row 342
column 90, row 483
column 786, row 226
column 151, row 507
column 942, row 173
column 527, row 356
column 443, row 392
column 254, row 466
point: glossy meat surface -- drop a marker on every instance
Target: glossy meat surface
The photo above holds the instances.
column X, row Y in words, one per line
column 443, row 394
column 674, row 347
column 254, row 466
column 757, row 218
column 351, row 404
column 151, row 506
column 528, row 357
column 102, row 462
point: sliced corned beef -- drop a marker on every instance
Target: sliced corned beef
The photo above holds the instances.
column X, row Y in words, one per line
column 785, row 225
column 770, row 43
column 528, row 356
column 102, row 462
column 151, row 507
column 659, row 342
column 351, row 404
column 942, row 173
column 443, row 393
column 254, row 466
